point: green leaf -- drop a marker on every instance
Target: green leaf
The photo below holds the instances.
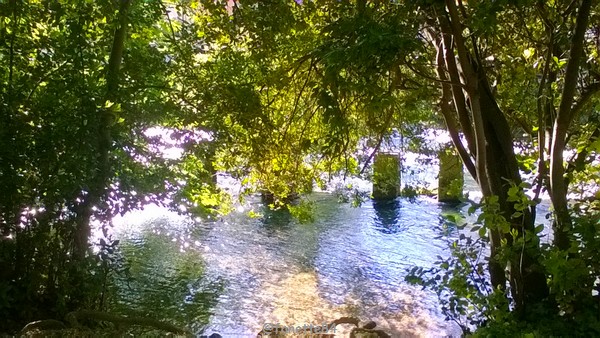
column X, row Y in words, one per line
column 539, row 228
column 482, row 232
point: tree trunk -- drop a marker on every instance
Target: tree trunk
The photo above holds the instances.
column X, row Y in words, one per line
column 495, row 161
column 99, row 182
column 558, row 184
column 526, row 277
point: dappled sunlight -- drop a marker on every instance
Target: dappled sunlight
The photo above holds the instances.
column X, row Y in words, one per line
column 350, row 262
column 200, row 163
column 297, row 301
column 275, row 270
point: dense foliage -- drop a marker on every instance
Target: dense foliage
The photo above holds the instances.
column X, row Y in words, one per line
column 279, row 94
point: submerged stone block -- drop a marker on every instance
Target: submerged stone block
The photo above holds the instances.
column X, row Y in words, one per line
column 451, row 176
column 386, row 176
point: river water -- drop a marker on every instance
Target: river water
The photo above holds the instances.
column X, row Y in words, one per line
column 235, row 274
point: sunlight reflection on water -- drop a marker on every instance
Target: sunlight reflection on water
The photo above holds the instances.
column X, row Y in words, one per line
column 349, row 262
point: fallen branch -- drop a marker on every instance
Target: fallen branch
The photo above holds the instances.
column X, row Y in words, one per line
column 73, row 319
column 42, row 325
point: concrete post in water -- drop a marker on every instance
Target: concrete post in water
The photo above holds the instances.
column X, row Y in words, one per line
column 386, row 176
column 451, row 177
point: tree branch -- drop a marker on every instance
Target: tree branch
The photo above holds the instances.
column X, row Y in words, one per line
column 449, row 118
column 419, row 73
column 587, row 94
column 566, row 111
column 460, row 101
column 74, row 317
column 473, row 91
column 540, row 104
column 579, row 161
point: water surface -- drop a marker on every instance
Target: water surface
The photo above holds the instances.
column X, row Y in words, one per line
column 271, row 269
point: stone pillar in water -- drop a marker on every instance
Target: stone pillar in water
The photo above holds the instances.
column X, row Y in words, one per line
column 386, row 176
column 451, row 177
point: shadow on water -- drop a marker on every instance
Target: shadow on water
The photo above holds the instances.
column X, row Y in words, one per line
column 449, row 214
column 276, row 220
column 163, row 278
column 387, row 214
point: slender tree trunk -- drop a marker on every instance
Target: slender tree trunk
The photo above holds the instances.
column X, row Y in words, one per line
column 558, row 184
column 106, row 119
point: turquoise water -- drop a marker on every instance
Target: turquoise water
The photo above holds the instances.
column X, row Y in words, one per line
column 233, row 275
